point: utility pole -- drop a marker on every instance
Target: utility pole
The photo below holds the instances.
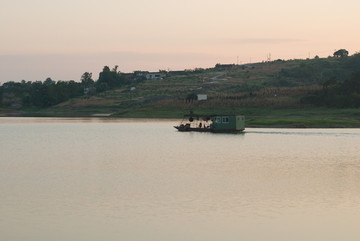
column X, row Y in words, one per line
column 269, row 57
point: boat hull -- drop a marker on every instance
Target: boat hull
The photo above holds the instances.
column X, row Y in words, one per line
column 189, row 129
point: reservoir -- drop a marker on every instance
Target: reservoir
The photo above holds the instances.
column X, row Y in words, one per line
column 141, row 180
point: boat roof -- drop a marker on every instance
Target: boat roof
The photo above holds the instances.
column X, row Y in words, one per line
column 207, row 115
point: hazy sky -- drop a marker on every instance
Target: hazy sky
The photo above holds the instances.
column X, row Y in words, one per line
column 62, row 39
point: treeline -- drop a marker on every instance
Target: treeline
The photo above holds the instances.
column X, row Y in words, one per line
column 38, row 93
column 49, row 92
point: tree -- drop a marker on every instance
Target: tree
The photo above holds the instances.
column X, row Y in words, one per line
column 49, row 82
column 86, row 79
column 39, row 94
column 341, row 53
column 106, row 79
column 111, row 78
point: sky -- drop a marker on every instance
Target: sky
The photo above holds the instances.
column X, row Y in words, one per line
column 62, row 39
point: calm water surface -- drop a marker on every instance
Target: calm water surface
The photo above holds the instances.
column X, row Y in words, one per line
column 95, row 180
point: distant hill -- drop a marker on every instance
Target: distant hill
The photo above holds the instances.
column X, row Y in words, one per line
column 293, row 84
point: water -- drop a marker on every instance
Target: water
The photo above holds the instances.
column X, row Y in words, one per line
column 140, row 180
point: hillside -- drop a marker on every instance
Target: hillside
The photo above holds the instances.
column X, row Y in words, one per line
column 260, row 91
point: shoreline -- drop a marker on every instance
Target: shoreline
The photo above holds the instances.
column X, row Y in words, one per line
column 251, row 121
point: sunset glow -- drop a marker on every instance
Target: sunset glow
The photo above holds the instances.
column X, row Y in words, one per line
column 63, row 39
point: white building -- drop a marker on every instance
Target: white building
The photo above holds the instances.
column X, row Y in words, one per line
column 201, row 97
column 154, row 75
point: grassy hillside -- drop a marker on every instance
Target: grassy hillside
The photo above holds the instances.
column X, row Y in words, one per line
column 269, row 94
column 249, row 86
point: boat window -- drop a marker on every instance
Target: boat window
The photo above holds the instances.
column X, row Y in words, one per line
column 225, row 119
column 218, row 120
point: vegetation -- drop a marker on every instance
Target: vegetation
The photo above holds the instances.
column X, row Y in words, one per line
column 296, row 93
column 341, row 53
column 49, row 93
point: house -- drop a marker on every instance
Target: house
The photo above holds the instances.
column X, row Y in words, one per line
column 155, row 76
column 201, row 97
column 224, row 66
column 140, row 75
column 89, row 90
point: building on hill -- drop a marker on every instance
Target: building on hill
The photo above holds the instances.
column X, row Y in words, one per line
column 155, row 76
column 201, row 97
column 140, row 75
column 89, row 90
column 224, row 66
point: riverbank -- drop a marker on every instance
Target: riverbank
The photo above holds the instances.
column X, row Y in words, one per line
column 255, row 117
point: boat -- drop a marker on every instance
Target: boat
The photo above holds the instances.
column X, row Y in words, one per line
column 228, row 123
